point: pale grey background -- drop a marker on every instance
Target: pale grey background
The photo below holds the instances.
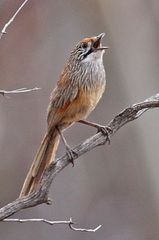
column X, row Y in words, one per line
column 116, row 186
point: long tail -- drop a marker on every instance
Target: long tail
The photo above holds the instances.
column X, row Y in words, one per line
column 43, row 158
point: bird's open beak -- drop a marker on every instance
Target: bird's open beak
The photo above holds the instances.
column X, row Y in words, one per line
column 97, row 43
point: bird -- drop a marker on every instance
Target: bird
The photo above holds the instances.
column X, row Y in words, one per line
column 76, row 94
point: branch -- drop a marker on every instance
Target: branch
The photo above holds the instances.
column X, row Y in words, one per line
column 41, row 195
column 20, row 90
column 3, row 31
column 70, row 223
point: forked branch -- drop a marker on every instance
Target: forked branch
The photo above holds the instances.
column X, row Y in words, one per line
column 69, row 223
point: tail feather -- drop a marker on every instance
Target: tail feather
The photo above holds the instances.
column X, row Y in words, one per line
column 43, row 158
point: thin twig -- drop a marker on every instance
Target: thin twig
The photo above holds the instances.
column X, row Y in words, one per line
column 69, row 222
column 41, row 195
column 3, row 31
column 25, row 220
column 19, row 90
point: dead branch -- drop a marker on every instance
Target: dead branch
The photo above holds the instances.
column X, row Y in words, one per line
column 69, row 222
column 41, row 195
column 19, row 90
column 3, row 31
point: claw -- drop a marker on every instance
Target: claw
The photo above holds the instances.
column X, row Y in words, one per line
column 106, row 131
column 71, row 155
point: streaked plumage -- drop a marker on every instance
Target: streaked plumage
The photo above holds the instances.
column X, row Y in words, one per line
column 79, row 89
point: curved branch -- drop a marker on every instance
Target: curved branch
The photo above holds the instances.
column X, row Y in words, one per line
column 41, row 195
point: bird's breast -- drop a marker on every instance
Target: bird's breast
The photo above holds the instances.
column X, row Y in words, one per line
column 84, row 103
column 91, row 85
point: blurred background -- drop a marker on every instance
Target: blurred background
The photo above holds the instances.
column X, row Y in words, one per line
column 117, row 185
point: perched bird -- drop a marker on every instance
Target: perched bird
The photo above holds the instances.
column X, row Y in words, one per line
column 78, row 90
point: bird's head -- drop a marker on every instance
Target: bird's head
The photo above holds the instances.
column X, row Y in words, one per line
column 89, row 49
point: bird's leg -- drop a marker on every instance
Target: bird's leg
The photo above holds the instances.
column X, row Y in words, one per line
column 104, row 129
column 70, row 153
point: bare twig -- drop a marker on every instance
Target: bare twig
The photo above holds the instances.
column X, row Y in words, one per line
column 41, row 195
column 3, row 31
column 69, row 222
column 71, row 225
column 19, row 90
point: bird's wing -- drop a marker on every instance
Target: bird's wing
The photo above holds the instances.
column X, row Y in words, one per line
column 62, row 96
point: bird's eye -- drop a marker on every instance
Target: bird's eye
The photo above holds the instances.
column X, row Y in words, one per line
column 84, row 45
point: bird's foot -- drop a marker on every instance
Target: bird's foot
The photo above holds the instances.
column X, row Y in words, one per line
column 71, row 155
column 106, row 131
